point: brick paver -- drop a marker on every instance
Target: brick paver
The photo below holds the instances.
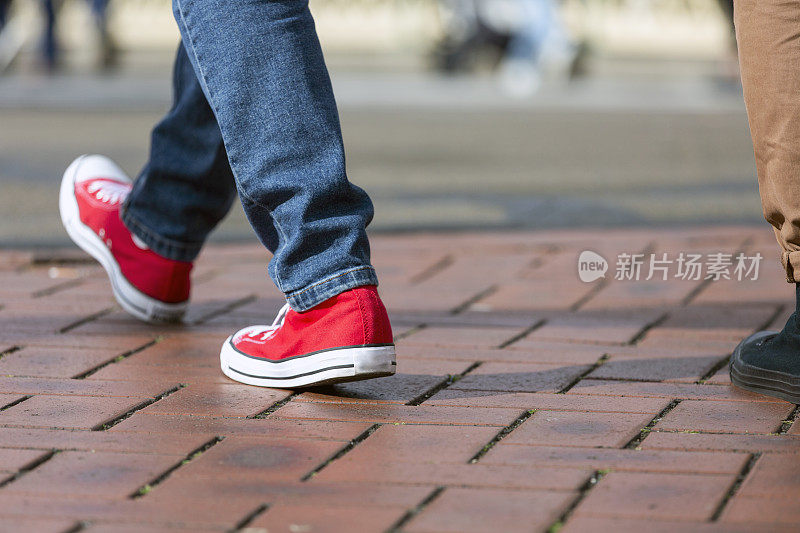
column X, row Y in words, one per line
column 525, row 399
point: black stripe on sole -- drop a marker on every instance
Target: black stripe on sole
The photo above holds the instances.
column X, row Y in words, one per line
column 337, row 367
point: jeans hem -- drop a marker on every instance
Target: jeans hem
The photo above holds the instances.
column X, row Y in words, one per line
column 168, row 248
column 313, row 295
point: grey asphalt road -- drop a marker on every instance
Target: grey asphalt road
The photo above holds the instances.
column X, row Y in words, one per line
column 434, row 152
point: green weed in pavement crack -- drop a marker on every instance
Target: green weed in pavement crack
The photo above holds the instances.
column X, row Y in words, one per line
column 787, row 424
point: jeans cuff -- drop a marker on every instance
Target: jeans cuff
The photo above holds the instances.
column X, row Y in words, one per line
column 174, row 250
column 313, row 295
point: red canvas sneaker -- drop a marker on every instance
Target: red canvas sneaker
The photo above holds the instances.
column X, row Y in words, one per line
column 345, row 338
column 148, row 286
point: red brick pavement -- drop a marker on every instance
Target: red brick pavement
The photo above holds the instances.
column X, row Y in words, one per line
column 525, row 399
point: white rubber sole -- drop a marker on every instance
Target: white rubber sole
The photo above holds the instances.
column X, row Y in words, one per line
column 129, row 297
column 337, row 365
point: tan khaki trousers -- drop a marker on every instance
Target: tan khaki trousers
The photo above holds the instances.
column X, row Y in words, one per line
column 768, row 34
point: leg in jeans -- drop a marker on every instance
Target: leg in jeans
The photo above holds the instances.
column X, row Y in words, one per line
column 186, row 187
column 254, row 112
column 260, row 66
column 768, row 35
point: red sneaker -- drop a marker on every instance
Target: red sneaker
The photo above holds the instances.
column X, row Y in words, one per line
column 345, row 338
column 148, row 286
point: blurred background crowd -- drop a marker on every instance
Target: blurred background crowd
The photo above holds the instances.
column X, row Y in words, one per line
column 456, row 113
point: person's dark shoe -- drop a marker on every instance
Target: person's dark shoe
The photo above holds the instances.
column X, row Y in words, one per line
column 768, row 362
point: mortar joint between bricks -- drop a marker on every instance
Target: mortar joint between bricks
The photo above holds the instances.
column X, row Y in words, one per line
column 417, row 509
column 343, row 451
column 694, row 293
column 411, row 331
column 636, row 441
column 594, row 291
column 16, row 402
column 503, row 433
column 230, row 306
column 524, row 333
column 647, row 328
column 36, row 463
column 49, row 291
column 597, row 364
column 242, row 524
column 588, row 485
column 121, row 357
column 443, row 384
column 275, row 406
column 191, row 456
column 734, row 488
column 9, row 351
column 104, row 426
column 80, row 525
column 787, row 424
column 87, row 319
column 432, row 270
column 475, row 298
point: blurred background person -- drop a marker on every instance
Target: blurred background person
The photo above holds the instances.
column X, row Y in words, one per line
column 522, row 40
column 540, row 44
column 50, row 51
column 4, row 5
column 731, row 65
column 468, row 37
column 50, row 45
column 10, row 36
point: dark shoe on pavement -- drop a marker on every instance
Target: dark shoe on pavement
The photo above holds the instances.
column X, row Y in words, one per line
column 768, row 362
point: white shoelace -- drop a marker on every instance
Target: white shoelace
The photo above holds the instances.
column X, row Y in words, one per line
column 276, row 325
column 109, row 192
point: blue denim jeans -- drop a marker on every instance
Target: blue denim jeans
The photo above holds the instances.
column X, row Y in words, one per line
column 254, row 112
